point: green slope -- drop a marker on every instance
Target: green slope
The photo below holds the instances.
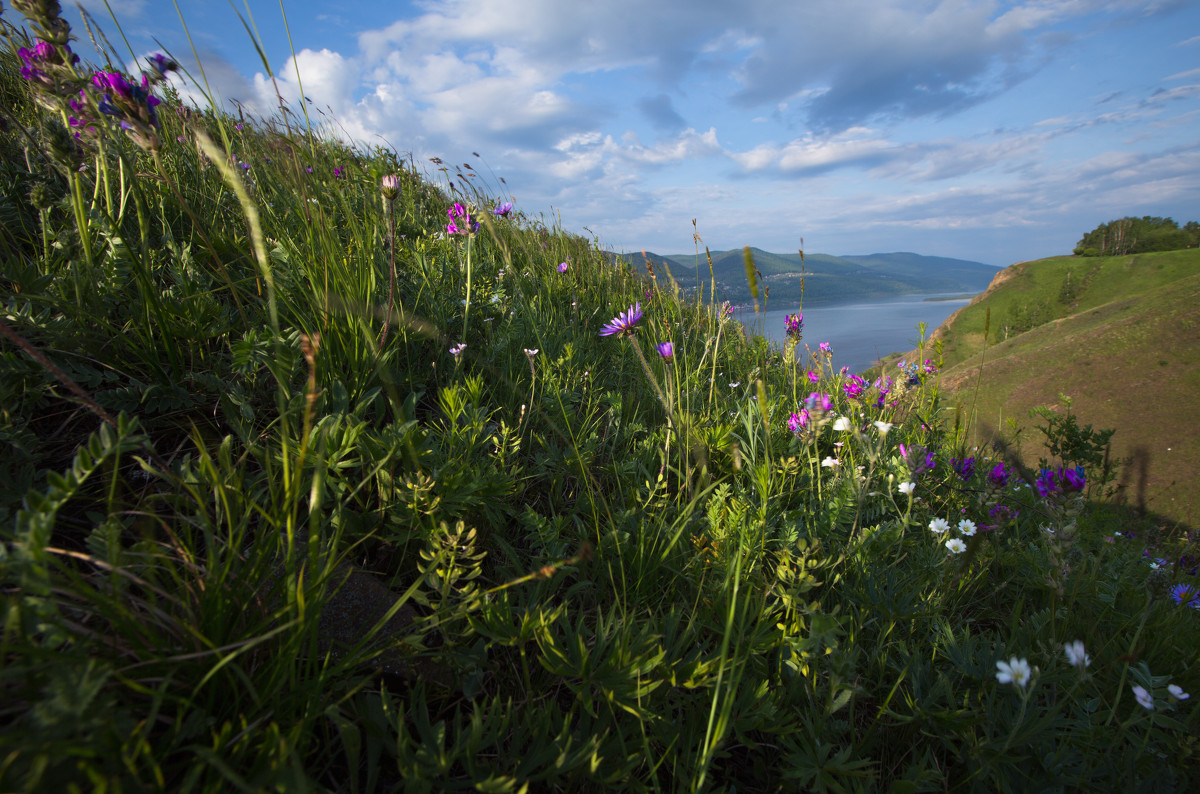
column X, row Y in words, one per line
column 1126, row 350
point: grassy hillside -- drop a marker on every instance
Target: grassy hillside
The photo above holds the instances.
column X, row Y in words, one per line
column 324, row 472
column 1124, row 346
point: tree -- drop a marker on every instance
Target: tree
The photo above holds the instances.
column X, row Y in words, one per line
column 1130, row 235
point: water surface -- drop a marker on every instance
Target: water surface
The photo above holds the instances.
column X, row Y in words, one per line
column 860, row 332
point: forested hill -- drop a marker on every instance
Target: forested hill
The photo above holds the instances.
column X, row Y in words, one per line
column 822, row 278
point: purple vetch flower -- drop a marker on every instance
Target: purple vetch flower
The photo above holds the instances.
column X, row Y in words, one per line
column 794, row 324
column 824, row 347
column 853, row 387
column 623, row 323
column 1046, row 483
column 813, row 376
column 503, row 210
column 964, row 467
column 461, row 221
column 666, row 349
column 338, row 173
column 726, row 310
column 998, row 476
column 798, row 422
column 819, row 402
column 918, row 459
column 1073, row 479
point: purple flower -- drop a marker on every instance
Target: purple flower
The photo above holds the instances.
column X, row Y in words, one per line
column 666, row 349
column 162, row 64
column 794, row 324
column 798, row 422
column 562, row 267
column 1046, row 483
column 623, row 323
column 458, row 212
column 726, row 310
column 503, row 210
column 389, row 186
column 854, row 387
column 999, row 476
column 1186, row 594
column 918, row 459
column 337, row 172
column 819, row 402
column 1073, row 479
column 964, row 467
column 813, row 376
column 824, row 346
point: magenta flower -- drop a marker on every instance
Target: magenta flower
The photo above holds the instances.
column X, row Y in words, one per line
column 666, row 349
column 999, row 476
column 562, row 267
column 813, row 376
column 623, row 323
column 824, row 346
column 461, row 215
column 794, row 324
column 390, row 186
column 337, row 172
column 854, row 387
column 819, row 402
column 798, row 422
column 1073, row 479
column 503, row 210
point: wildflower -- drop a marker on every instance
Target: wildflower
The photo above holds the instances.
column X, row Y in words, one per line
column 1177, row 692
column 998, row 476
column 1073, row 479
column 531, row 353
column 939, row 526
column 1014, row 671
column 883, row 427
column 726, row 310
column 1046, row 483
column 337, row 169
column 562, row 267
column 798, row 422
column 907, row 487
column 666, row 349
column 735, row 384
column 1076, row 654
column 853, row 387
column 813, row 376
column 503, row 210
column 457, row 350
column 819, row 402
column 390, row 187
column 1182, row 593
column 824, row 346
column 461, row 215
column 966, row 527
column 830, row 462
column 794, row 324
column 842, row 424
column 1144, row 698
column 956, row 546
column 623, row 323
column 964, row 467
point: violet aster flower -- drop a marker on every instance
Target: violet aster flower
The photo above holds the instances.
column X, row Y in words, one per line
column 562, row 267
column 623, row 323
column 503, row 210
column 666, row 349
column 1185, row 594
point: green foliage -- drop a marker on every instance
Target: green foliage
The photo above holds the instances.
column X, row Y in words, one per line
column 311, row 555
column 1138, row 236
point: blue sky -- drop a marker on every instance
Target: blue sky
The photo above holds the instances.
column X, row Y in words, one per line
column 992, row 131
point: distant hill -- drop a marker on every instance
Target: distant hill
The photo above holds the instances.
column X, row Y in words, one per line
column 823, row 278
column 1118, row 335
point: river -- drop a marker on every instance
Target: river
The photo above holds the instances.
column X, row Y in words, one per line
column 858, row 333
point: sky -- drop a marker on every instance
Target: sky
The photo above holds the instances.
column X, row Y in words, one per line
column 991, row 131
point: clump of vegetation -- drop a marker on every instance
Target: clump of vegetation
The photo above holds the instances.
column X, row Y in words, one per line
column 331, row 478
column 1138, row 236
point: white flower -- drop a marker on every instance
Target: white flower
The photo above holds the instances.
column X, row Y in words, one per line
column 531, row 353
column 457, row 350
column 883, row 427
column 966, row 527
column 1076, row 654
column 1014, row 671
column 1144, row 698
column 830, row 462
column 956, row 545
column 735, row 385
column 939, row 525
column 1177, row 692
column 907, row 487
column 841, row 424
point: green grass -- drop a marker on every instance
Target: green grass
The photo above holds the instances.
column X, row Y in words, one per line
column 1122, row 348
column 266, row 533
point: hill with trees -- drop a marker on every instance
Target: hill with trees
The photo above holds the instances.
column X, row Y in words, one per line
column 1138, row 236
column 819, row 278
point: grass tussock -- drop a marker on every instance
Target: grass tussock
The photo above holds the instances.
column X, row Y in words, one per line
column 331, row 473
